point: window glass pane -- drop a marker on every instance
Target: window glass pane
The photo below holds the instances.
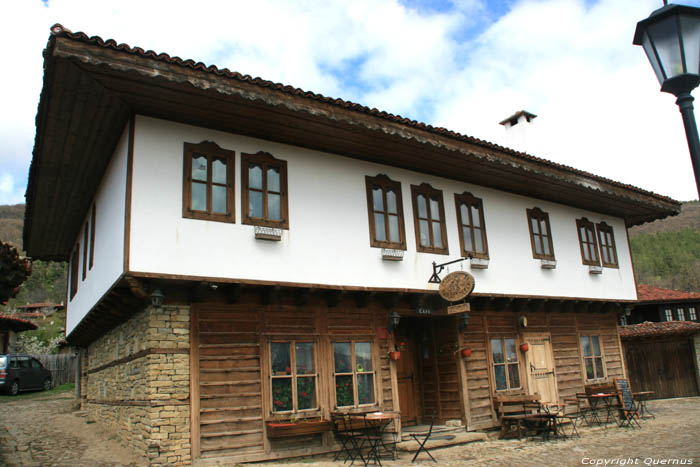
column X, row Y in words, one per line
column 434, row 209
column 343, row 391
column 342, row 357
column 586, row 344
column 604, row 252
column 545, row 244
column 500, row 374
column 475, row 217
column 479, row 248
column 497, row 350
column 365, row 389
column 377, row 200
column 681, row 314
column 394, row 228
column 255, row 204
column 586, row 252
column 599, row 367
column 590, row 236
column 304, row 353
column 538, row 245
column 467, row 235
column 279, row 358
column 511, row 355
column 306, row 393
column 437, row 235
column 273, row 180
column 379, row 227
column 422, row 207
column 514, row 376
column 424, row 233
column 589, row 368
column 391, row 202
column 596, row 345
column 543, row 227
column 281, row 394
column 363, row 356
column 199, row 196
column 218, row 199
column 669, row 315
column 255, row 177
column 274, row 211
column 199, row 168
column 464, row 213
column 218, row 171
column 603, row 241
column 691, row 314
column 535, row 225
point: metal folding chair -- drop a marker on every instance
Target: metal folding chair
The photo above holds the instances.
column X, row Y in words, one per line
column 350, row 438
column 425, row 437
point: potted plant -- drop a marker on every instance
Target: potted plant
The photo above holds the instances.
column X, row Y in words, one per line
column 466, row 352
column 296, row 427
column 524, row 347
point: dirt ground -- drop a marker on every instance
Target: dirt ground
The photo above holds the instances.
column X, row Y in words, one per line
column 45, row 432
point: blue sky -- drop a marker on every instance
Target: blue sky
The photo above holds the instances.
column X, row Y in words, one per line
column 461, row 64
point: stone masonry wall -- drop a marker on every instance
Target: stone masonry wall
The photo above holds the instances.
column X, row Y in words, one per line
column 137, row 384
column 696, row 349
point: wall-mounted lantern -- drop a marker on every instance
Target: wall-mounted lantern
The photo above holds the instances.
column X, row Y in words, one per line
column 394, row 319
column 157, row 298
column 463, row 321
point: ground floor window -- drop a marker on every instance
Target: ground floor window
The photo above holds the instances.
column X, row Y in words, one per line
column 354, row 374
column 293, row 376
column 592, row 357
column 505, row 363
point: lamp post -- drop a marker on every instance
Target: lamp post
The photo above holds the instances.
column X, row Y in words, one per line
column 671, row 39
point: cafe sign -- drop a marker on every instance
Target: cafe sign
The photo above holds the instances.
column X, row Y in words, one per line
column 456, row 286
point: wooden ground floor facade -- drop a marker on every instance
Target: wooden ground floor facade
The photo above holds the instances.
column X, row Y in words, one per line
column 205, row 377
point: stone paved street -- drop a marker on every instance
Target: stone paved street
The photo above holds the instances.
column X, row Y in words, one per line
column 44, row 432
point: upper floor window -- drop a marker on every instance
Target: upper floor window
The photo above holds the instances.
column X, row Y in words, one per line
column 606, row 239
column 587, row 242
column 385, row 209
column 472, row 230
column 74, row 268
column 668, row 314
column 293, row 376
column 681, row 314
column 86, row 234
column 92, row 236
column 353, row 374
column 592, row 357
column 208, row 182
column 429, row 219
column 504, row 357
column 264, row 190
column 540, row 234
column 692, row 316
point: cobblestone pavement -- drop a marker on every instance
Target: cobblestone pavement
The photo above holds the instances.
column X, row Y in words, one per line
column 44, row 432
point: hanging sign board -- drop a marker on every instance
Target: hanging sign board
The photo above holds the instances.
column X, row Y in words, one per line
column 461, row 308
column 456, row 286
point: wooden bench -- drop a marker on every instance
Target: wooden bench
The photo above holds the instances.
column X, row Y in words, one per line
column 517, row 412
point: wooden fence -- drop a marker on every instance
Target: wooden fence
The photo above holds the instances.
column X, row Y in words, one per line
column 62, row 367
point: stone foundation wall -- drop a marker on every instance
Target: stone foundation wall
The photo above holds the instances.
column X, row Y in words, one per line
column 137, row 380
column 696, row 348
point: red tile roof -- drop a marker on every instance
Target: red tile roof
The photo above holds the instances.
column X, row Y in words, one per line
column 663, row 329
column 61, row 31
column 16, row 324
column 40, row 305
column 649, row 293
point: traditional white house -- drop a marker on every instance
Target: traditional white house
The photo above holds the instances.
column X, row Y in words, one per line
column 282, row 230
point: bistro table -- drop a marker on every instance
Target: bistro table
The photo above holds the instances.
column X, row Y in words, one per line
column 375, row 424
column 643, row 397
column 594, row 400
column 553, row 412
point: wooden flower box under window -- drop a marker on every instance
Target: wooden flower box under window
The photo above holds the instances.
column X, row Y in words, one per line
column 276, row 430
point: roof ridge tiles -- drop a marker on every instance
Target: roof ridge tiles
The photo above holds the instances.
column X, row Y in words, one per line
column 59, row 30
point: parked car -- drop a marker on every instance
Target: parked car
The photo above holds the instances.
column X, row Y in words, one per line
column 19, row 372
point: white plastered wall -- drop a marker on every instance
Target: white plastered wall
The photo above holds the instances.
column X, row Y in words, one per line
column 108, row 263
column 328, row 238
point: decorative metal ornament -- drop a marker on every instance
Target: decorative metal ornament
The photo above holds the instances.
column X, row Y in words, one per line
column 456, row 286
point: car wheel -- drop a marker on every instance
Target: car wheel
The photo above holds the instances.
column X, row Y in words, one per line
column 14, row 389
column 47, row 384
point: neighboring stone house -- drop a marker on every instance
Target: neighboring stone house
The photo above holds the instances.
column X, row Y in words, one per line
column 242, row 251
column 9, row 327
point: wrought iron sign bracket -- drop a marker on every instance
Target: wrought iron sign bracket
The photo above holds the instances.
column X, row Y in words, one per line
column 438, row 268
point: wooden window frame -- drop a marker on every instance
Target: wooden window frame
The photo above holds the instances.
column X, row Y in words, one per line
column 74, row 271
column 668, row 314
column 493, row 364
column 602, row 229
column 590, row 243
column 265, row 160
column 429, row 192
column 541, row 216
column 86, row 234
column 354, row 373
column 293, row 376
column 692, row 314
column 593, row 357
column 680, row 313
column 385, row 184
column 471, row 201
column 92, row 235
column 212, row 151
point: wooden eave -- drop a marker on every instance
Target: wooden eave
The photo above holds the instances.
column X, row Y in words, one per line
column 91, row 90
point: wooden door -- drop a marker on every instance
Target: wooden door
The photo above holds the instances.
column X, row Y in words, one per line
column 539, row 363
column 407, row 380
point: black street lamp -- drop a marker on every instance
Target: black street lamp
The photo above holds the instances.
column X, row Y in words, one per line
column 671, row 39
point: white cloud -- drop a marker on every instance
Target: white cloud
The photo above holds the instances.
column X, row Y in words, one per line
column 571, row 63
column 9, row 194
